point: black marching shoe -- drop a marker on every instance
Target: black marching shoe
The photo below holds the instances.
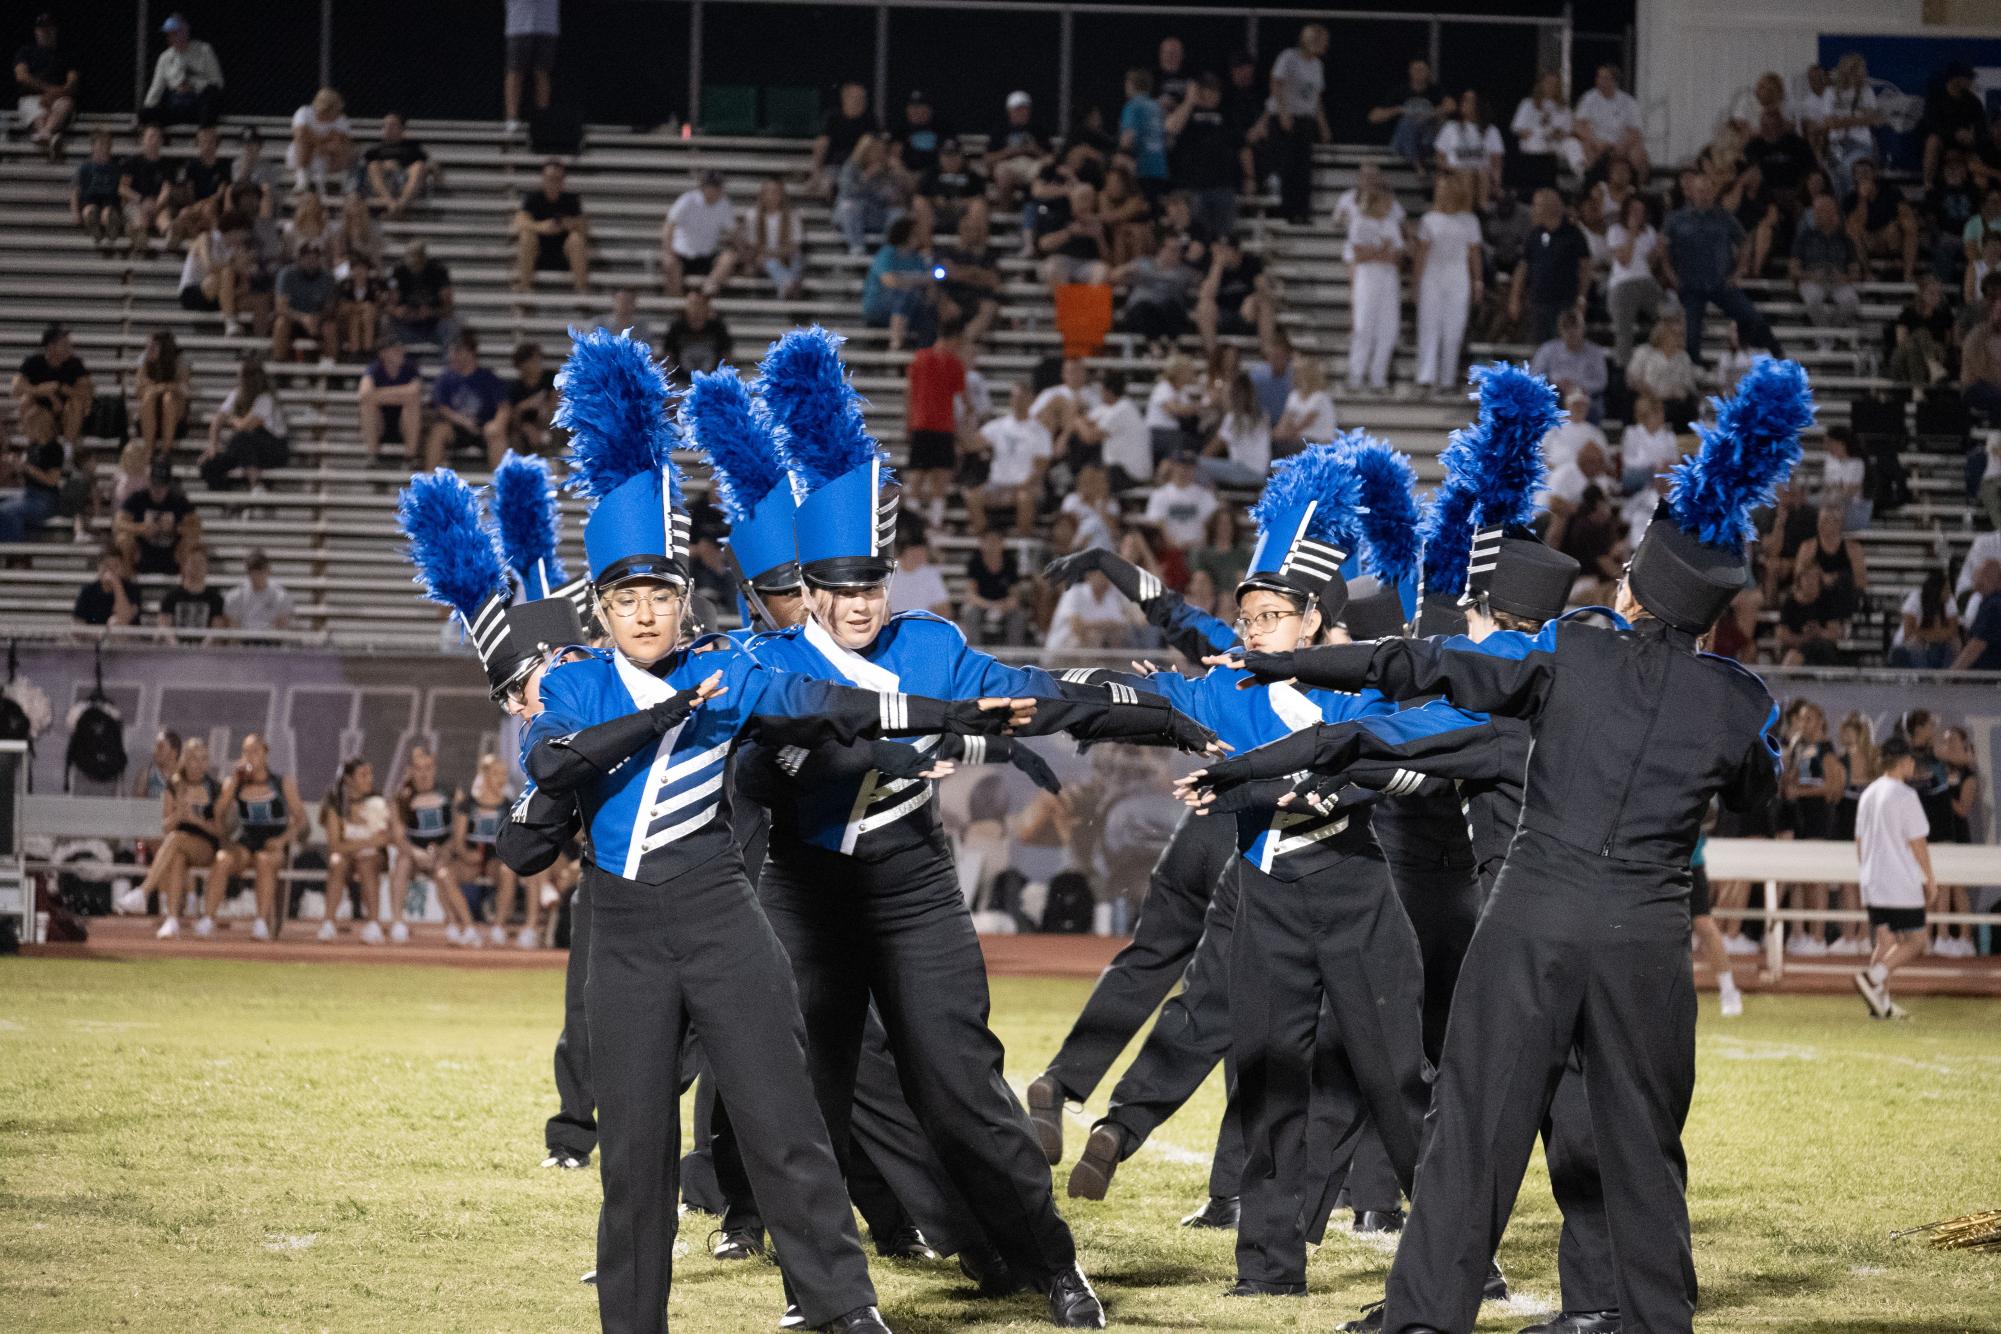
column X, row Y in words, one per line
column 1220, row 1211
column 1496, row 1287
column 1092, row 1176
column 1368, row 1322
column 906, row 1243
column 1379, row 1220
column 1072, row 1304
column 861, row 1320
column 1578, row 1322
column 1045, row 1113
column 984, row 1265
column 1249, row 1287
column 744, row 1244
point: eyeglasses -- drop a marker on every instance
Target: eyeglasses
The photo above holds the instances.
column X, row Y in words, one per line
column 1264, row 620
column 626, row 602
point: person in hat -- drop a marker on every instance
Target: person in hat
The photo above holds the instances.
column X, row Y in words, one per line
column 47, row 82
column 187, row 80
column 700, row 237
column 1584, row 940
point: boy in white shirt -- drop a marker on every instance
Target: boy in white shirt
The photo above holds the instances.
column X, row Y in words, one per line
column 1648, row 446
column 1017, row 449
column 1891, row 835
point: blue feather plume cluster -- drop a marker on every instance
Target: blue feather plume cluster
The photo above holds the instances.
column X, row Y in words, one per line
column 1320, row 473
column 1447, row 533
column 525, row 519
column 721, row 418
column 1389, row 517
column 450, row 546
column 614, row 401
column 821, row 435
column 1494, row 469
column 1751, row 450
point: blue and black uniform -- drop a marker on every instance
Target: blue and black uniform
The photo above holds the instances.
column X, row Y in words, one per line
column 204, row 809
column 260, row 820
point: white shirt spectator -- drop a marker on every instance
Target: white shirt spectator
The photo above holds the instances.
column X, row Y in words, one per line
column 537, row 18
column 1247, row 438
column 1158, row 418
column 1560, row 446
column 1568, row 483
column 1985, row 547
column 1812, row 108
column 700, row 228
column 306, row 118
column 1656, row 450
column 977, row 403
column 1181, row 511
column 1016, row 444
column 1054, row 393
column 1314, row 413
column 921, row 589
column 1464, row 146
column 1609, row 117
column 1540, row 127
column 1348, row 207
column 1639, row 266
column 264, row 406
column 1914, row 607
column 1093, row 528
column 250, row 609
column 1301, row 78
column 196, row 66
column 1127, row 443
column 1841, row 474
column 1852, row 102
column 1447, row 238
column 1887, row 818
column 1083, row 619
column 1368, row 231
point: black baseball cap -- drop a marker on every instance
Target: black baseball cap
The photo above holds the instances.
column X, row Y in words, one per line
column 950, row 144
column 917, row 99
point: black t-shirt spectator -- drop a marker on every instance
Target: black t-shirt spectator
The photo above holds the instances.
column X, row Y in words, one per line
column 147, row 174
column 1239, row 281
column 844, row 132
column 1948, row 116
column 1783, row 162
column 520, row 391
column 1010, row 135
column 191, row 610
column 143, row 510
column 36, row 370
column 94, row 605
column 1796, row 616
column 1952, row 206
column 1204, row 156
column 44, row 62
column 1052, row 214
column 537, row 205
column 993, row 583
column 918, row 144
column 689, row 349
column 204, row 180
column 420, row 287
column 962, row 258
column 1553, row 254
column 402, row 153
column 1170, row 87
column 965, row 183
column 46, row 457
column 1242, row 108
column 1405, row 96
column 1882, row 209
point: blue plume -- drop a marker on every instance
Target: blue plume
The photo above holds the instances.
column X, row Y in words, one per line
column 720, row 418
column 1319, row 473
column 1389, row 519
column 821, row 435
column 1447, row 531
column 452, row 550
column 525, row 519
column 614, row 403
column 1745, row 456
column 1503, row 447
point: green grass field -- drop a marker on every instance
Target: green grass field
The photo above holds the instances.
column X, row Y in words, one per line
column 226, row 1146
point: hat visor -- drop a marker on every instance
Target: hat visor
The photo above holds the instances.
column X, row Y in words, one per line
column 661, row 569
column 848, row 572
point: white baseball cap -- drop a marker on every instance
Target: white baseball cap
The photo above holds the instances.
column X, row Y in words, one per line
column 1018, row 98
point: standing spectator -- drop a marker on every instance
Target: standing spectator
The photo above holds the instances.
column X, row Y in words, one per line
column 845, row 126
column 1143, row 133
column 157, row 524
column 1982, row 651
column 421, row 305
column 1541, row 127
column 1631, row 292
column 1448, row 270
column 970, row 289
column 143, row 186
column 305, row 305
column 531, row 401
column 1928, row 635
column 1239, row 454
column 699, row 237
column 1297, row 81
column 1159, row 289
column 898, row 292
column 112, row 598
column 1416, row 107
column 1172, row 81
column 1235, row 297
column 1016, row 149
column 1180, row 506
column 357, row 309
column 1955, row 117
column 259, row 602
column 1555, row 268
column 1607, row 121
column 948, row 192
column 1881, row 220
column 396, row 171
column 217, row 273
column 1573, row 364
column 551, row 232
column 53, row 391
column 1205, row 158
column 696, row 340
column 1470, row 145
column 934, row 395
column 532, row 28
column 1825, row 267
column 247, row 432
column 392, row 395
column 1374, row 251
column 1700, row 260
column 872, row 196
column 919, row 585
column 93, row 201
column 624, row 317
column 993, row 602
column 187, row 80
column 777, row 239
column 191, row 604
column 466, row 402
column 1247, row 111
column 162, row 381
column 322, row 142
column 1007, row 459
column 46, row 81
column 1892, row 841
column 1851, row 122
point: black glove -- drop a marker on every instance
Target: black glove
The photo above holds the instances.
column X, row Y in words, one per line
column 1248, row 795
column 1330, row 666
column 562, row 765
column 893, row 759
column 1278, row 759
column 1068, row 571
column 1188, row 734
column 671, row 712
column 1023, row 757
column 965, row 717
column 1135, row 584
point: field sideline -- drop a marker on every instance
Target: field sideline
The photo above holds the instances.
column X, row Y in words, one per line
column 219, row 1146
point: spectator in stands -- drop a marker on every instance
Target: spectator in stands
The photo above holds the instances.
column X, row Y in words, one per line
column 1826, row 267
column 1844, row 572
column 252, row 169
column 1004, row 463
column 1955, row 117
column 1471, row 146
column 395, row 171
column 1784, row 160
column 1554, row 273
column 1089, row 502
column 698, row 339
column 1980, row 356
column 699, row 237
column 392, row 395
column 1881, row 220
column 46, row 82
column 1700, row 259
column 112, row 598
column 161, row 380
column 217, row 273
column 1662, row 367
column 1235, row 296
column 143, row 187
column 919, row 585
column 1607, row 121
column 53, row 391
column 259, row 602
column 1092, row 614
column 247, row 432
column 306, row 305
column 1813, row 620
column 191, row 604
column 1990, row 487
column 624, row 317
column 1173, row 411
column 970, row 289
column 194, row 197
column 422, row 308
column 531, row 401
column 1632, row 293
column 949, row 191
column 1016, row 149
column 466, row 403
column 1205, row 159
column 1922, row 343
column 899, row 293
column 1448, row 273
column 918, row 136
column 1648, row 447
column 934, row 399
column 872, row 195
column 1927, row 635
column 1563, row 444
column 1541, row 127
column 1851, row 121
column 355, row 820
column 157, row 524
column 307, row 223
column 1111, row 428
column 845, row 126
column 1271, row 374
column 322, row 142
column 992, row 608
column 531, row 30
column 1180, row 506
column 777, row 239
column 1309, row 417
column 1588, row 531
column 551, row 232
column 1982, row 651
column 1143, row 133
column 1982, row 256
column 357, row 308
column 1414, row 109
column 1947, row 212
column 187, row 80
column 1573, row 364
column 1297, row 81
column 1159, row 290
column 1126, row 217
column 1842, row 475
column 93, row 201
column 1374, row 253
column 1239, row 453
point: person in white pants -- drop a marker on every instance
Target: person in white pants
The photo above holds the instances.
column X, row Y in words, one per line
column 1447, row 268
column 1373, row 252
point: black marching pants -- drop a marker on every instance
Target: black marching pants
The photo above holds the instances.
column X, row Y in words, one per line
column 696, row 952
column 1164, row 939
column 1575, row 951
column 1337, row 937
column 1584, row 1251
column 897, row 931
column 574, row 1127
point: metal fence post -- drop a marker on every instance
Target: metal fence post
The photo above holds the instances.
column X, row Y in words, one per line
column 1569, row 36
column 1066, row 53
column 695, row 66
column 882, row 61
column 1251, row 31
column 1435, row 45
column 140, row 74
column 326, row 43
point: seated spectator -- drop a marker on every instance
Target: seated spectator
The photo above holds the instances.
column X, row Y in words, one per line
column 1205, row 159
column 157, row 524
column 624, row 317
column 1589, row 467
column 144, row 187
column 1927, row 635
column 777, row 239
column 1059, row 402
column 194, row 199
column 1572, row 364
column 1004, row 462
column 1180, row 506
column 1159, row 290
column 1649, row 446
column 1881, row 221
column 948, row 191
column 1587, row 529
column 993, row 609
column 1766, row 93
column 1469, row 145
column 1980, row 356
column 1239, row 454
column 1092, row 614
column 1414, row 109
column 1982, row 651
column 306, row 304
column 1632, row 291
column 1946, row 212
column 1783, row 160
column 1271, row 376
column 44, row 473
column 1016, row 150
column 308, row 223
column 395, row 171
column 1812, row 621
column 191, row 604
column 1225, row 550
column 356, row 236
column 46, row 82
column 531, row 401
column 1555, row 268
column 1921, row 345
column 698, row 339
column 248, row 431
column 1348, row 204
column 1541, row 127
column 919, row 585
column 872, row 196
column 1069, row 234
column 421, row 306
column 1986, row 261
column 699, row 237
column 844, row 127
column 53, row 391
column 1662, row 367
column 94, row 204
column 1111, row 426
column 1090, row 503
column 322, row 142
column 900, row 292
column 112, row 598
column 391, row 396
column 259, row 602
column 1127, row 217
column 1173, row 411
column 918, row 137
column 1842, row 477
column 1308, row 418
column 358, row 300
column 466, row 403
column 1826, row 267
column 551, row 232
column 252, row 169
column 970, row 289
column 1844, row 571
column 1563, row 444
column 161, row 380
column 187, row 80
column 1235, row 297
column 1607, row 121
column 1143, row 133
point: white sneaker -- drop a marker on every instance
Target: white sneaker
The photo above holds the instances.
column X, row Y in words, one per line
column 452, row 935
column 1874, row 994
column 372, row 934
column 1895, row 1011
column 472, row 939
column 1731, row 1002
column 231, row 329
column 497, row 934
column 168, row 929
column 527, row 940
column 260, row 929
column 327, row 931
column 399, row 932
column 205, row 926
column 1739, row 944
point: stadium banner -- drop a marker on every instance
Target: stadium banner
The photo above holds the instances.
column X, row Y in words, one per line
column 1022, row 852
column 1901, row 69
